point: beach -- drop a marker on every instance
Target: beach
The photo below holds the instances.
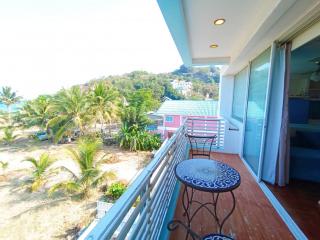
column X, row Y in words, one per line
column 38, row 216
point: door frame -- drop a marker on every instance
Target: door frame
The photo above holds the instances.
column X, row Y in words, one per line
column 266, row 113
column 245, row 109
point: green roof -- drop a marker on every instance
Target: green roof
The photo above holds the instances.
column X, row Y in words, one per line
column 189, row 108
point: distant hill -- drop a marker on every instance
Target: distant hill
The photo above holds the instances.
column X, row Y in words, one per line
column 204, row 83
column 206, row 74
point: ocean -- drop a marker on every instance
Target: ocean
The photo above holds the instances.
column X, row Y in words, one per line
column 14, row 107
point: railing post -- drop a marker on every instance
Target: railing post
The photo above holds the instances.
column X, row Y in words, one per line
column 148, row 205
column 218, row 135
column 192, row 126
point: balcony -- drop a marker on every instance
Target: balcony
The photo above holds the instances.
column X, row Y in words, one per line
column 154, row 197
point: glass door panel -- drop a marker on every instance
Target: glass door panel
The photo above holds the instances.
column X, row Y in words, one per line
column 258, row 83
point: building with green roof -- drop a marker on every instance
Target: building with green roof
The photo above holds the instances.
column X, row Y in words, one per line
column 174, row 112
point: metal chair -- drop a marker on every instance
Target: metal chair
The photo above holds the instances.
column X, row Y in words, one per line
column 201, row 145
column 174, row 224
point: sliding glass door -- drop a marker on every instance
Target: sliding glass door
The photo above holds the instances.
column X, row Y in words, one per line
column 255, row 114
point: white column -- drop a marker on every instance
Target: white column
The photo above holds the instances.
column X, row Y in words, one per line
column 232, row 137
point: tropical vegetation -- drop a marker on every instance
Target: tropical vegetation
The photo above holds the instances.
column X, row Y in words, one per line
column 40, row 170
column 8, row 135
column 98, row 105
column 8, row 98
column 114, row 107
column 104, row 104
column 88, row 174
column 71, row 113
column 37, row 112
column 116, row 190
column 133, row 134
column 4, row 165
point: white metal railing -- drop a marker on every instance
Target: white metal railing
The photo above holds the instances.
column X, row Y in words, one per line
column 208, row 127
column 149, row 194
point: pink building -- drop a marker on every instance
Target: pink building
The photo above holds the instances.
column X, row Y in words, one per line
column 174, row 112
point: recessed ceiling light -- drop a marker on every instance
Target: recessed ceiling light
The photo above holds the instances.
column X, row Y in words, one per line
column 219, row 21
column 213, row 45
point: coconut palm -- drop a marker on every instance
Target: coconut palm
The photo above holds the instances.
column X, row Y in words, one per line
column 8, row 136
column 104, row 102
column 71, row 112
column 4, row 165
column 8, row 98
column 40, row 170
column 37, row 112
column 88, row 175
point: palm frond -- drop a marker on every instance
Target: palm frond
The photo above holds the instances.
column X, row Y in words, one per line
column 4, row 165
column 32, row 160
column 66, row 186
column 74, row 175
column 106, row 176
column 62, row 131
column 40, row 170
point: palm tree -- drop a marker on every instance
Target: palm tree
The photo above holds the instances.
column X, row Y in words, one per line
column 134, row 117
column 8, row 98
column 89, row 174
column 8, row 136
column 37, row 112
column 40, row 170
column 71, row 112
column 104, row 102
column 4, row 165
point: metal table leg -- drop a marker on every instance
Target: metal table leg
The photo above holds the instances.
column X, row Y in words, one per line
column 187, row 201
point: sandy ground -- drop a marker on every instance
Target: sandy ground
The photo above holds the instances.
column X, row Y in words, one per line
column 25, row 215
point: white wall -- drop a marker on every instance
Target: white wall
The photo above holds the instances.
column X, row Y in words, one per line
column 226, row 95
column 233, row 128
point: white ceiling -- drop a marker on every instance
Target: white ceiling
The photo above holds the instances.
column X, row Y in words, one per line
column 251, row 26
column 243, row 17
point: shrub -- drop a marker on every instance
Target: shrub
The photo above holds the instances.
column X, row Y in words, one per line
column 153, row 141
column 116, row 190
column 135, row 139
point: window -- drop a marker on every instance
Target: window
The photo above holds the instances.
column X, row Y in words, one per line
column 239, row 93
column 169, row 118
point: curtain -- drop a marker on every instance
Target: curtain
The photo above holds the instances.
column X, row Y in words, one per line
column 283, row 163
column 274, row 118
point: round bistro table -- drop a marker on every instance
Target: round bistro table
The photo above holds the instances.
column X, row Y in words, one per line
column 207, row 176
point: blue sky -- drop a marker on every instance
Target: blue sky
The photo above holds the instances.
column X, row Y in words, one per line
column 49, row 44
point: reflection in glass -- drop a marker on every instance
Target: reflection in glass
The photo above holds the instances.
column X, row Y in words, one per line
column 255, row 109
